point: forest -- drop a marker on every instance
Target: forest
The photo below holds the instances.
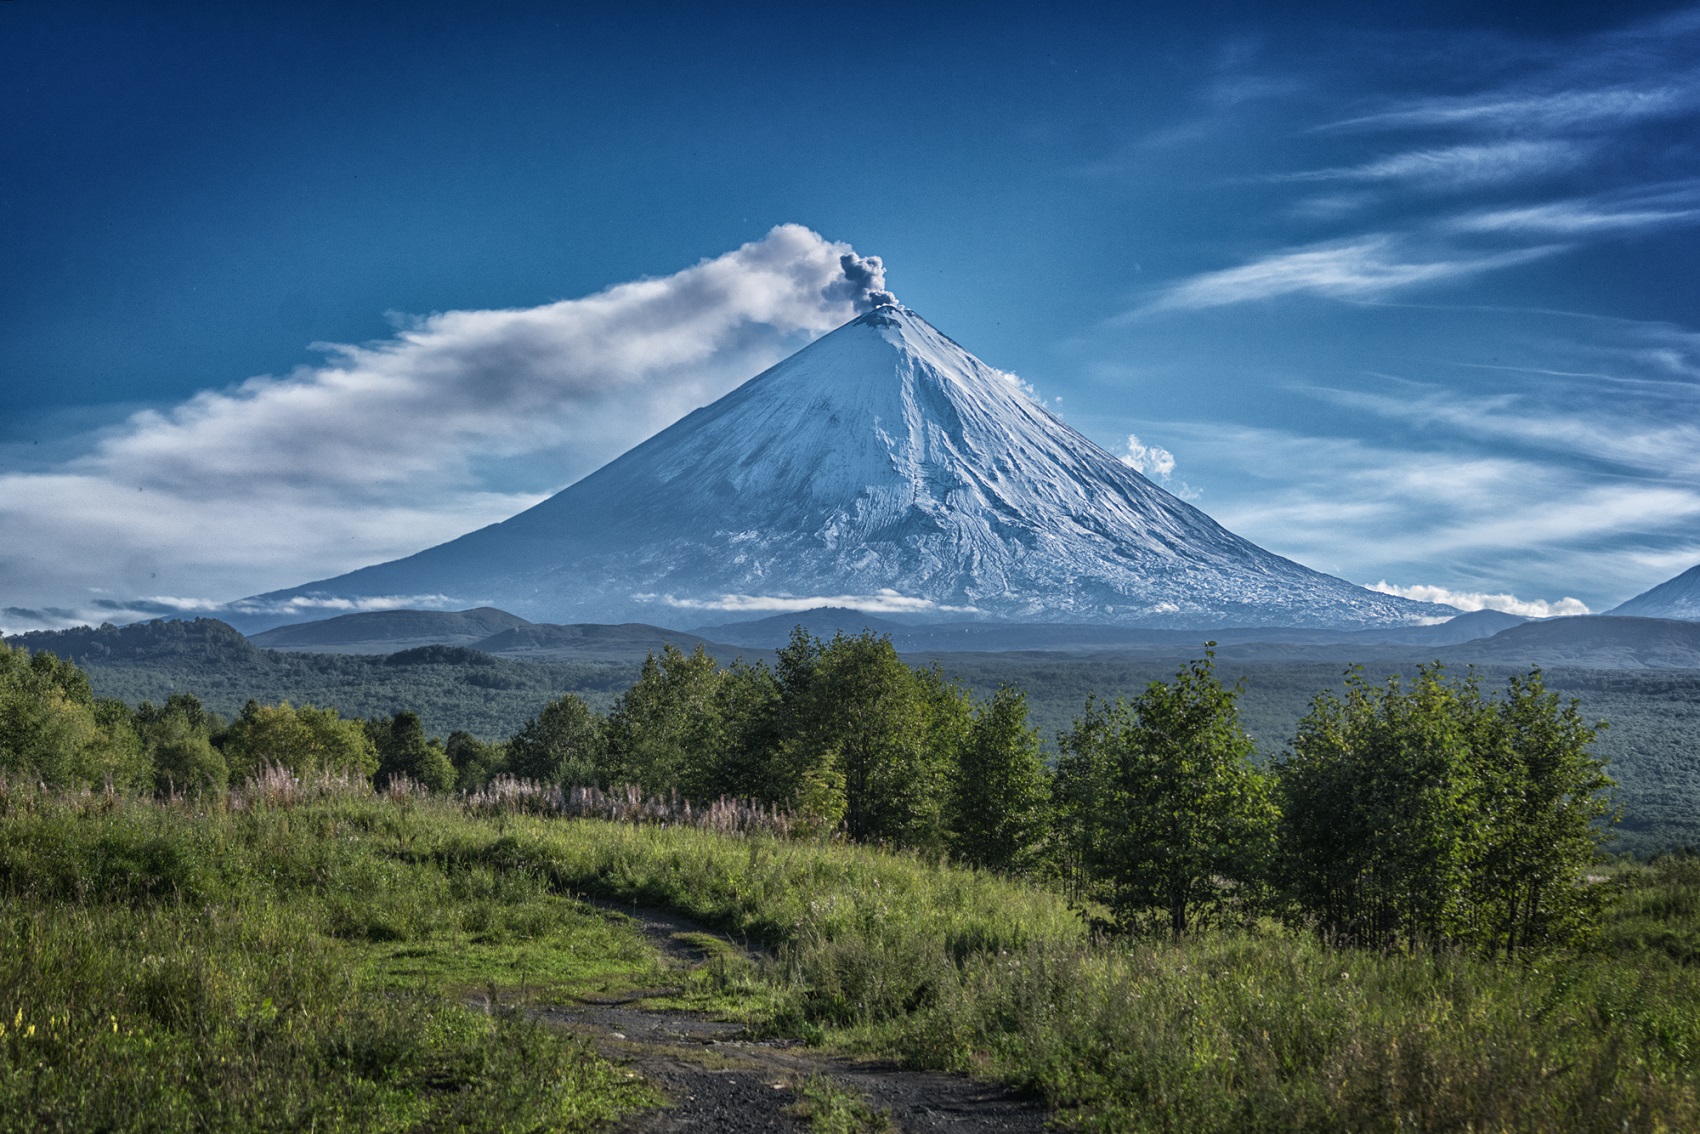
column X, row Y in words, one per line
column 1432, row 810
column 1653, row 715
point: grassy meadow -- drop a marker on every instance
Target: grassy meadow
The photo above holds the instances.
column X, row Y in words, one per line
column 336, row 958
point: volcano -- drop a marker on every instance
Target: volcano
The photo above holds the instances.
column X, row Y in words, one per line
column 882, row 467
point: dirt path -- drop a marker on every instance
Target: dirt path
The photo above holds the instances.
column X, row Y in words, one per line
column 718, row 1080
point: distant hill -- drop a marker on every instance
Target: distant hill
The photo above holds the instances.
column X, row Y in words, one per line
column 995, row 637
column 821, row 621
column 384, row 631
column 204, row 640
column 484, row 628
column 1464, row 628
column 590, row 640
column 1595, row 641
column 449, row 686
column 1673, row 598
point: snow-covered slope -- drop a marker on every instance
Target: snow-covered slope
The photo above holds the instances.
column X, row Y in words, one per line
column 1673, row 598
column 882, row 467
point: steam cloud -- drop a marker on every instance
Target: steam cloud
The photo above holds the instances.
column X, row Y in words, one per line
column 460, row 419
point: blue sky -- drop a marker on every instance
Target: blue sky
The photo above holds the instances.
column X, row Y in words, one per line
column 1410, row 297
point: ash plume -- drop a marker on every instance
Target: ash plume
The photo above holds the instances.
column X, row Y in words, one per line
column 863, row 283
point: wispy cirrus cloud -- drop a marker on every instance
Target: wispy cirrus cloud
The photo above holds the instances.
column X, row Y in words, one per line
column 1554, row 481
column 392, row 446
column 1597, row 114
column 1448, row 282
column 1459, row 167
column 1645, row 208
column 1635, row 442
column 1621, row 78
column 1364, row 267
column 1573, row 218
column 1558, row 110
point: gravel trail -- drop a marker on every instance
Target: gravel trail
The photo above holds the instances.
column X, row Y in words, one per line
column 718, row 1080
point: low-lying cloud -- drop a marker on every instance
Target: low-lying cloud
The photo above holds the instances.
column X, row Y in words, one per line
column 880, row 602
column 1476, row 600
column 460, row 419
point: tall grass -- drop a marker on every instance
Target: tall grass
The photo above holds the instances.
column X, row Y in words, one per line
column 174, row 967
column 1270, row 1031
column 243, row 950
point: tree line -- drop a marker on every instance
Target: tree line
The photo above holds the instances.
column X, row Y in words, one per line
column 1403, row 814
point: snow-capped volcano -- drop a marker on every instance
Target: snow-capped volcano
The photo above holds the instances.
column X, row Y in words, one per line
column 884, row 467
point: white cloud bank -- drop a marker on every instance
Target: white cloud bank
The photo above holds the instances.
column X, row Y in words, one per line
column 880, row 602
column 460, row 419
column 1476, row 600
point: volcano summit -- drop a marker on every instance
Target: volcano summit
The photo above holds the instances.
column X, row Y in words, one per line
column 881, row 467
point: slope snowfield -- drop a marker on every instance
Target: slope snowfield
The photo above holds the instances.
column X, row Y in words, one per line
column 882, row 467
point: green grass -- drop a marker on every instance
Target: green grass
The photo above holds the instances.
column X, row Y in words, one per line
column 1659, row 910
column 167, row 968
column 1270, row 1031
column 288, row 967
column 830, row 1109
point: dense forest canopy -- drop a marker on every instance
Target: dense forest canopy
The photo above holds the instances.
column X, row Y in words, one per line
column 1652, row 744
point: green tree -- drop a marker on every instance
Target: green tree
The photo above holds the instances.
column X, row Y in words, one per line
column 1378, row 831
column 476, row 762
column 868, row 718
column 797, row 758
column 1182, row 818
column 750, row 704
column 999, row 812
column 665, row 727
column 1082, row 791
column 53, row 728
column 178, row 739
column 560, row 745
column 404, row 750
column 1435, row 815
column 306, row 741
column 1544, row 796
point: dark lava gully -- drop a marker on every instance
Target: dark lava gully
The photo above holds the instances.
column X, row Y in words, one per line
column 717, row 1079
